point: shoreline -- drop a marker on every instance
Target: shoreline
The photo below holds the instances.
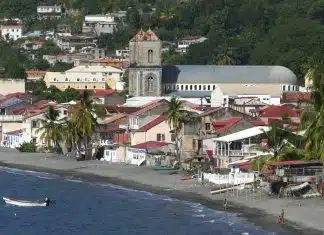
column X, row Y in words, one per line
column 85, row 171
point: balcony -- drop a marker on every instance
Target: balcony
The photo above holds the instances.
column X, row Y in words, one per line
column 11, row 118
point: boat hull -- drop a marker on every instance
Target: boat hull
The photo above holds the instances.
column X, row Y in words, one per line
column 24, row 203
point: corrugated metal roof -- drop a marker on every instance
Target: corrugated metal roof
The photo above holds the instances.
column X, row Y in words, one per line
column 250, row 132
column 228, row 74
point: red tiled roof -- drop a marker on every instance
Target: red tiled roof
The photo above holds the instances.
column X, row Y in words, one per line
column 145, row 36
column 191, row 37
column 18, row 95
column 13, row 26
column 35, row 73
column 15, row 132
column 150, row 145
column 100, row 93
column 296, row 96
column 279, row 111
column 153, row 123
column 257, row 123
column 223, row 125
column 284, row 163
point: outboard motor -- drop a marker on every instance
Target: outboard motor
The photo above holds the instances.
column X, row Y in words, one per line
column 47, row 201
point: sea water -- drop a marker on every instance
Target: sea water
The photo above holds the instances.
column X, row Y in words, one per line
column 84, row 208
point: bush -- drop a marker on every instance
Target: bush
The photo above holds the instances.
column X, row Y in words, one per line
column 27, row 147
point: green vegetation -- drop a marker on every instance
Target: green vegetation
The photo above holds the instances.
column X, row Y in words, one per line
column 72, row 132
column 51, row 129
column 269, row 32
column 175, row 122
column 42, row 92
column 27, row 147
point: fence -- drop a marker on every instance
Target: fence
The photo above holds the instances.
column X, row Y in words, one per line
column 231, row 178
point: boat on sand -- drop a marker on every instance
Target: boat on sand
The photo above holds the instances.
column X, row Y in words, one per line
column 24, row 203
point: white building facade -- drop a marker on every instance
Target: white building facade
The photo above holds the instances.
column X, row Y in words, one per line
column 99, row 24
column 87, row 77
column 12, row 32
column 45, row 12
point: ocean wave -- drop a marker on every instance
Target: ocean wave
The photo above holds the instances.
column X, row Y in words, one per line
column 74, row 180
column 199, row 215
column 16, row 171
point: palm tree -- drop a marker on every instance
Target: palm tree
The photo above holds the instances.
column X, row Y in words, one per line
column 174, row 120
column 277, row 139
column 51, row 129
column 72, row 135
column 312, row 119
column 85, row 118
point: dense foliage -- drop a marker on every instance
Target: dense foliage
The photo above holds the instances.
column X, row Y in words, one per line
column 27, row 147
column 268, row 32
column 41, row 92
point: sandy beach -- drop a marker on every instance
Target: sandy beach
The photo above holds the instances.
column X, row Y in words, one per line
column 303, row 216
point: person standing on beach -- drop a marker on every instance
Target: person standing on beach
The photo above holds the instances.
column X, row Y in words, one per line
column 225, row 204
column 280, row 219
column 202, row 178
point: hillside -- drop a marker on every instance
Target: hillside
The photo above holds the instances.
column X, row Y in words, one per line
column 268, row 32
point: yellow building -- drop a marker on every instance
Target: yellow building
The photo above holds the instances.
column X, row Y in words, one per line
column 86, row 77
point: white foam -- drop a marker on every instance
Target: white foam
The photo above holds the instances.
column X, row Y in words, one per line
column 210, row 221
column 199, row 215
column 74, row 181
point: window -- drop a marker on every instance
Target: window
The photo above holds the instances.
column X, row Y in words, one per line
column 194, row 144
column 86, row 87
column 195, row 87
column 150, row 82
column 94, row 79
column 173, row 138
column 208, row 87
column 186, row 87
column 109, row 74
column 54, row 79
column 283, row 87
column 66, row 79
column 181, row 87
column 78, row 79
column 34, row 140
column 69, row 86
column 199, row 88
column 204, row 87
column 34, row 124
column 177, row 87
column 207, row 126
column 288, row 88
column 190, row 87
column 214, row 87
column 94, row 87
column 160, row 137
column 65, row 112
column 150, row 56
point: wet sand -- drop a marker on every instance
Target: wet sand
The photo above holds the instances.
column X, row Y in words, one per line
column 302, row 216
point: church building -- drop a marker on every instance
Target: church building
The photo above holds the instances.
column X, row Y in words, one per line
column 147, row 76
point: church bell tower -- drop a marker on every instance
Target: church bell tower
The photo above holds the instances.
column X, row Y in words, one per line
column 145, row 71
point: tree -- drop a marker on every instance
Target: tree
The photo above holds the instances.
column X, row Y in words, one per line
column 312, row 118
column 85, row 117
column 174, row 120
column 51, row 129
column 61, row 67
column 72, row 135
column 49, row 48
column 276, row 139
